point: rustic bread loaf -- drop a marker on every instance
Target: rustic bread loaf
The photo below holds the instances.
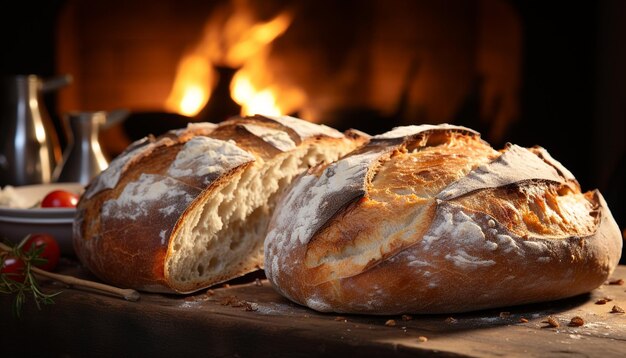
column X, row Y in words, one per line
column 190, row 209
column 432, row 219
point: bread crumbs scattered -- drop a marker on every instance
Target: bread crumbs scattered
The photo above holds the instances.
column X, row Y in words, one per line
column 602, row 301
column 422, row 339
column 552, row 322
column 238, row 303
column 618, row 281
column 251, row 306
column 406, row 317
column 341, row 319
column 523, row 320
column 617, row 309
column 210, row 292
column 390, row 323
column 451, row 320
column 257, row 282
column 227, row 301
column 576, row 322
column 233, row 301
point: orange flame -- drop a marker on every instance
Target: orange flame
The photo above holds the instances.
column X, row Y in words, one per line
column 195, row 79
column 252, row 52
column 232, row 38
column 251, row 99
column 254, row 40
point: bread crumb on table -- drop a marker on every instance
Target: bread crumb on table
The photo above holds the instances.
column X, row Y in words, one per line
column 617, row 309
column 552, row 322
column 576, row 322
column 390, row 323
column 618, row 281
column 250, row 306
column 422, row 339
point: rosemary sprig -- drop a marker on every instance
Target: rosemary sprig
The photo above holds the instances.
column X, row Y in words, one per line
column 29, row 286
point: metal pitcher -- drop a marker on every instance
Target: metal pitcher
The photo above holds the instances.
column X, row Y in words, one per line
column 83, row 158
column 29, row 145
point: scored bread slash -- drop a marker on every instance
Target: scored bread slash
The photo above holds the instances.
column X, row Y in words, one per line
column 189, row 209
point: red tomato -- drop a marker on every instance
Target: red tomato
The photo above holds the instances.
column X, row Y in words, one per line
column 13, row 268
column 51, row 251
column 59, row 199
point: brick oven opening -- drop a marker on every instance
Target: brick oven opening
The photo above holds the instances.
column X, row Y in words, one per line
column 367, row 64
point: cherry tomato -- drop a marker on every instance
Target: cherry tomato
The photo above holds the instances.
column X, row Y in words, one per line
column 59, row 199
column 51, row 251
column 13, row 268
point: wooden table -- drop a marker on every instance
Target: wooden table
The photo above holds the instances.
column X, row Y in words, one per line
column 248, row 319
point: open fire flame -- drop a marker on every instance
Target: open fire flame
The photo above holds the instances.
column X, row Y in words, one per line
column 232, row 38
column 192, row 87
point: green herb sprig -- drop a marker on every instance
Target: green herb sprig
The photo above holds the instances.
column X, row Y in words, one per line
column 30, row 285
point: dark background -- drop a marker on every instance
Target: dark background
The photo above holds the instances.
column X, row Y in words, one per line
column 573, row 99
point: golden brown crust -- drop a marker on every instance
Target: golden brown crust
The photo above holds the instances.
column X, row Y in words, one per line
column 446, row 224
column 124, row 223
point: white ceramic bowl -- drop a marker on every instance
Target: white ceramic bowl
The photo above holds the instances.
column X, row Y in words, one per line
column 15, row 224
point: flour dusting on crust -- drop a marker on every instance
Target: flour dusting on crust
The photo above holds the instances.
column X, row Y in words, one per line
column 406, row 131
column 314, row 200
column 194, row 128
column 543, row 154
column 317, row 199
column 461, row 239
column 515, row 165
column 207, row 158
column 138, row 198
column 306, row 129
column 277, row 138
column 109, row 178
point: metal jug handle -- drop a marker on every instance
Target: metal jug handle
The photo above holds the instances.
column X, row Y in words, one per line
column 56, row 83
column 115, row 116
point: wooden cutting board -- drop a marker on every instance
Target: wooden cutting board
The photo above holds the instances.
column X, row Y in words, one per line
column 249, row 319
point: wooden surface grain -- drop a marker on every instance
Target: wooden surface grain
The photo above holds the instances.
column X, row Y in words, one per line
column 249, row 319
